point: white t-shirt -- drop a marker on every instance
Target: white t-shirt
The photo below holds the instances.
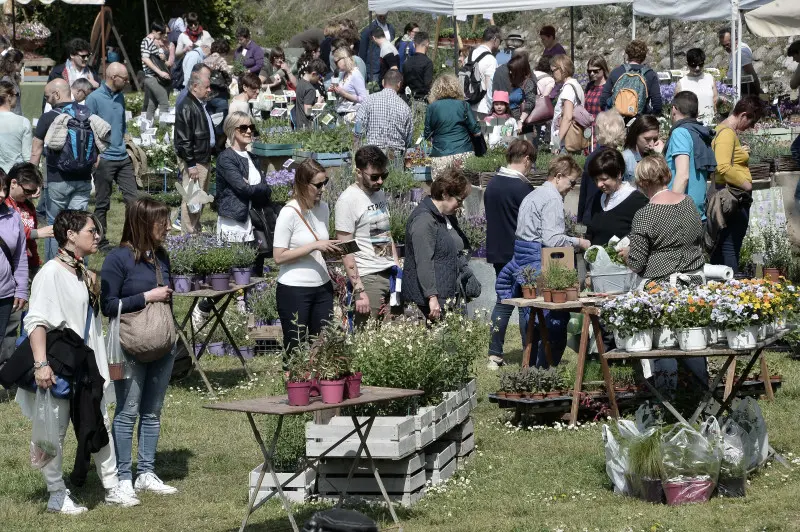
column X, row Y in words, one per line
column 291, row 233
column 703, row 88
column 484, row 67
column 747, row 58
column 367, row 218
column 571, row 91
column 229, row 229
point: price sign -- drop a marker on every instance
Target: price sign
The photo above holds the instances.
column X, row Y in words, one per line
column 280, row 98
column 332, row 96
column 277, row 112
column 288, row 163
column 290, row 94
column 326, row 119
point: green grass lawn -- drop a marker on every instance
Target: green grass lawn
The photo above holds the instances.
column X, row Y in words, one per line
column 518, row 480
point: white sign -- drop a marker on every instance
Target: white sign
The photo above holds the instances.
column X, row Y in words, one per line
column 277, row 111
column 280, row 98
column 290, row 94
column 288, row 163
column 128, row 115
column 326, row 119
column 318, row 107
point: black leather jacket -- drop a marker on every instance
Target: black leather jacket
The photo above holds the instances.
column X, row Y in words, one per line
column 192, row 136
column 234, row 194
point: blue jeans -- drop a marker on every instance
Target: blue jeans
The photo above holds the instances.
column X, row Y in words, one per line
column 500, row 316
column 140, row 395
column 64, row 195
column 729, row 244
column 796, row 156
column 556, row 322
column 665, row 373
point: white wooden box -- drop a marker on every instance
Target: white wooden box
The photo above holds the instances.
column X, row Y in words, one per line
column 298, row 490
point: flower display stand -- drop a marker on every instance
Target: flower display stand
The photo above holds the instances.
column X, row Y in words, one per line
column 327, row 160
column 273, row 156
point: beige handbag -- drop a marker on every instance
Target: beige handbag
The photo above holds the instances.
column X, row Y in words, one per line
column 148, row 334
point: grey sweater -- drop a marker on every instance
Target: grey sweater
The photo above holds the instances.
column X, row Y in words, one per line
column 431, row 260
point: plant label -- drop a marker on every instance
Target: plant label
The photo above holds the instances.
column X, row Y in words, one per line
column 408, row 91
column 318, row 107
column 288, row 163
column 290, row 94
column 332, row 96
column 277, row 112
column 269, row 97
column 419, row 140
column 326, row 119
column 280, row 98
column 128, row 115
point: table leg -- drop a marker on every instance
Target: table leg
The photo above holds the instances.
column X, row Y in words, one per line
column 708, row 396
column 612, row 399
column 267, row 466
column 361, row 447
column 765, row 378
column 545, row 337
column 363, row 438
column 218, row 315
column 729, row 378
column 726, row 403
column 576, row 390
column 526, row 353
column 190, row 346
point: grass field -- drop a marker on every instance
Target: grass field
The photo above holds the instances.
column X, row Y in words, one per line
column 519, row 480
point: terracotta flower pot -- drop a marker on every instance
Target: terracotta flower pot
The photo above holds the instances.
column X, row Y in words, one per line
column 773, row 274
column 298, row 392
column 572, row 293
column 513, row 395
column 529, row 292
column 553, row 393
column 501, row 395
column 332, row 392
column 559, row 296
column 547, row 294
column 116, row 371
column 539, row 395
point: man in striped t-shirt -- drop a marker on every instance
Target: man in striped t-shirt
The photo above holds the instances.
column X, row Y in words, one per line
column 156, row 65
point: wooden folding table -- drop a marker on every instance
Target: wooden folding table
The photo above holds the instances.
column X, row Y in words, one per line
column 279, row 406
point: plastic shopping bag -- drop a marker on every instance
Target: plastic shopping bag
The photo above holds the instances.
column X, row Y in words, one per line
column 733, row 470
column 747, row 414
column 114, row 353
column 45, row 441
column 691, row 462
column 616, row 462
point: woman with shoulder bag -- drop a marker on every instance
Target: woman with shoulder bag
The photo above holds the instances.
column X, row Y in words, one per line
column 65, row 295
column 157, row 79
column 240, row 186
column 304, row 291
column 135, row 278
column 564, row 113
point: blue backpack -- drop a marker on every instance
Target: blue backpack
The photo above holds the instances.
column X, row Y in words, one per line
column 79, row 154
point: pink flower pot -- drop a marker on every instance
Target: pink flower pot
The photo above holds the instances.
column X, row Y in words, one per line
column 220, row 281
column 197, row 282
column 181, row 283
column 241, row 276
column 332, row 392
column 314, row 387
column 688, row 491
column 298, row 392
column 353, row 386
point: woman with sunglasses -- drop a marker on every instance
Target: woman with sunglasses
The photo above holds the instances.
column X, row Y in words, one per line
column 701, row 83
column 597, row 68
column 16, row 134
column 240, row 185
column 304, row 292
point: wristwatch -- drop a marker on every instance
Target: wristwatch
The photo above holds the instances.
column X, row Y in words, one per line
column 40, row 365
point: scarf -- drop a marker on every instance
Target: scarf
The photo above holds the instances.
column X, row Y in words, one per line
column 704, row 158
column 625, row 190
column 196, row 34
column 92, row 286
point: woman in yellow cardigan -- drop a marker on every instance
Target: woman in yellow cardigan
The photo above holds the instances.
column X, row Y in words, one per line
column 732, row 171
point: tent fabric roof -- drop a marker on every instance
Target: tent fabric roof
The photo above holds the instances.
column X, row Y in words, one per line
column 76, row 2
column 478, row 7
column 781, row 18
column 691, row 9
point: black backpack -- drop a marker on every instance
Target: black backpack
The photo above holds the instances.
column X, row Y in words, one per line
column 471, row 84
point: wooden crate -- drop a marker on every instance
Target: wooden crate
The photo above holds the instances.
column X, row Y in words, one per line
column 440, row 461
column 391, row 437
column 298, row 490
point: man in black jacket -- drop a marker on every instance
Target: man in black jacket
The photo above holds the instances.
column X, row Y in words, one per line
column 502, row 198
column 194, row 143
column 418, row 69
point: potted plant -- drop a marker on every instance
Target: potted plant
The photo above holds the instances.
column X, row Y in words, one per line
column 181, row 257
column 332, row 358
column 738, row 308
column 733, row 468
column 243, row 256
column 298, row 376
column 527, row 279
column 506, row 384
column 558, row 278
column 631, row 319
column 217, row 264
column 236, row 322
column 216, row 343
column 646, row 467
column 691, row 465
column 777, row 251
column 511, row 385
column 689, row 314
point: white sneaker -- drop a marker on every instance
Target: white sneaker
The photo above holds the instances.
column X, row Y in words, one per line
column 150, row 482
column 61, row 503
column 199, row 318
column 495, row 363
column 119, row 496
column 127, row 487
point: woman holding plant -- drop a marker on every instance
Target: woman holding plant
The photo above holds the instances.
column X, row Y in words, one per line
column 431, row 272
column 240, row 185
column 304, row 291
column 136, row 274
column 541, row 224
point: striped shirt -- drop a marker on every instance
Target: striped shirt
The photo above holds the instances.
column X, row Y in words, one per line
column 148, row 48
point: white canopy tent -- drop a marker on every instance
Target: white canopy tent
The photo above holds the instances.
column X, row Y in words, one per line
column 780, row 18
column 478, row 7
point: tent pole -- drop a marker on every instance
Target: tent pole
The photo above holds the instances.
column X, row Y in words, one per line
column 739, row 52
column 436, row 36
column 455, row 45
column 103, row 38
column 572, row 33
column 13, row 23
column 146, row 18
column 734, row 74
column 633, row 23
column 671, row 51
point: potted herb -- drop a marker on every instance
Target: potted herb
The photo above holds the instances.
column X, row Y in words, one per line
column 298, row 376
column 511, row 385
column 571, row 277
column 181, row 257
column 777, row 251
column 243, row 256
column 631, row 319
column 646, row 467
column 217, row 264
column 527, row 279
column 236, row 322
column 263, row 304
column 558, row 278
column 332, row 359
column 216, row 343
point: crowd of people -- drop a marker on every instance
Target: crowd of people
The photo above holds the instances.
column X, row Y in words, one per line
column 634, row 183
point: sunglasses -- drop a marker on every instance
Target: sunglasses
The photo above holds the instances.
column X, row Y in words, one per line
column 29, row 192
column 594, row 71
column 83, row 56
column 245, row 128
column 375, row 177
column 698, row 65
column 320, row 185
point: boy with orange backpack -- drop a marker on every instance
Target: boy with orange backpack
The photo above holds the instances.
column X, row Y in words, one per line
column 633, row 88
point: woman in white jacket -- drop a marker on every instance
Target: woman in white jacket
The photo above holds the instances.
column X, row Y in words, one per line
column 63, row 294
